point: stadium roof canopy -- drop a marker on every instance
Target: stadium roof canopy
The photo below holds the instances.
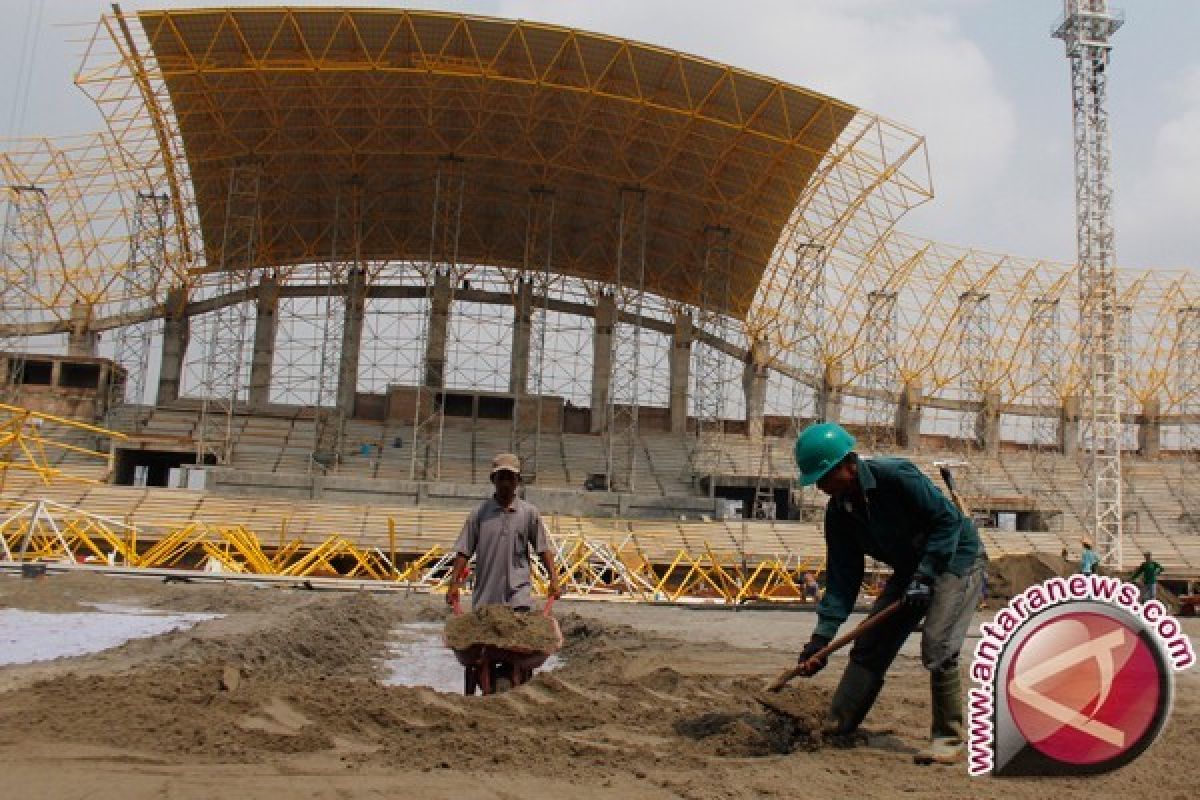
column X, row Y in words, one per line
column 363, row 108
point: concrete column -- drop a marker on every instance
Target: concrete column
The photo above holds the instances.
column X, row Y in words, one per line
column 176, row 333
column 356, row 301
column 81, row 341
column 606, row 320
column 1068, row 426
column 518, row 376
column 1150, row 429
column 829, row 395
column 681, row 365
column 754, row 384
column 987, row 424
column 908, row 416
column 439, row 326
column 266, row 324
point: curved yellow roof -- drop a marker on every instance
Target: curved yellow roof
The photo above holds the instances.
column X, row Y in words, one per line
column 360, row 108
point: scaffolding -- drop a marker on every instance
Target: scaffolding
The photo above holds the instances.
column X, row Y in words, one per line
column 1085, row 30
column 711, row 384
column 224, row 367
column 879, row 374
column 25, row 228
column 147, row 264
column 621, row 444
column 974, row 344
column 443, row 273
column 1188, row 377
column 531, row 300
column 1045, row 351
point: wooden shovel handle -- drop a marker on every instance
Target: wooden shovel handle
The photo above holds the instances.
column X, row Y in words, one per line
column 837, row 644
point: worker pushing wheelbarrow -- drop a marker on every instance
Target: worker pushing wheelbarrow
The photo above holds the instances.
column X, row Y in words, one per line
column 501, row 534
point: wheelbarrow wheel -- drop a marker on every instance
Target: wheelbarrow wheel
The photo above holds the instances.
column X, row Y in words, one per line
column 470, row 680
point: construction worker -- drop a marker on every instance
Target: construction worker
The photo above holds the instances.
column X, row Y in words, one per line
column 888, row 509
column 1089, row 560
column 500, row 534
column 1148, row 571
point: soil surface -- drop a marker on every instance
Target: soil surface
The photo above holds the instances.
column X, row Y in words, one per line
column 282, row 698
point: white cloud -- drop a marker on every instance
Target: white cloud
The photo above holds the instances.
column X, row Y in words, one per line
column 1158, row 214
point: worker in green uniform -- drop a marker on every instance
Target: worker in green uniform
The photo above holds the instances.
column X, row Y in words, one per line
column 1148, row 571
column 888, row 509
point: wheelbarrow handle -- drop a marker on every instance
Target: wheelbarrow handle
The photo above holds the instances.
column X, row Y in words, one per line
column 837, row 644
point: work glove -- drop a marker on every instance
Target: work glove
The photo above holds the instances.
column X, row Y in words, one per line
column 805, row 659
column 919, row 593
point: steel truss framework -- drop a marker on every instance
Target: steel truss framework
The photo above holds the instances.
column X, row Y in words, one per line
column 815, row 322
column 597, row 566
column 1085, row 30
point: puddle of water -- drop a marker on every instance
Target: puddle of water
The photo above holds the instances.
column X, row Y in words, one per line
column 29, row 636
column 419, row 657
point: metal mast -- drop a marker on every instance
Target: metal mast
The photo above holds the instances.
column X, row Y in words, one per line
column 1085, row 30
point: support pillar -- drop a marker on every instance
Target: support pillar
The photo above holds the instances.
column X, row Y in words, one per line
column 987, row 424
column 681, row 364
column 754, row 384
column 439, row 326
column 829, row 395
column 908, row 416
column 266, row 325
column 81, row 340
column 1068, row 428
column 1150, row 429
column 518, row 376
column 176, row 333
column 606, row 320
column 356, row 301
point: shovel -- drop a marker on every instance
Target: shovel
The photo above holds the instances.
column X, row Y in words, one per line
column 837, row 644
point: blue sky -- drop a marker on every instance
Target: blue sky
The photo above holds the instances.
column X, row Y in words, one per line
column 982, row 80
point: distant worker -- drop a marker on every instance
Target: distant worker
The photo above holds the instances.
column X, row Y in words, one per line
column 1089, row 560
column 888, row 509
column 1148, row 571
column 812, row 589
column 500, row 534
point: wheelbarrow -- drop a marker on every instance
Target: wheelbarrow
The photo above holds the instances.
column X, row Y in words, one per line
column 491, row 669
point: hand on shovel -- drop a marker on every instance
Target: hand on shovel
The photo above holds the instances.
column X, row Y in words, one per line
column 816, row 653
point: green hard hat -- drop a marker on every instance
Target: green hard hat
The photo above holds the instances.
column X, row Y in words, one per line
column 820, row 448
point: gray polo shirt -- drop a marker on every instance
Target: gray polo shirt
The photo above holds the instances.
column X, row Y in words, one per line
column 500, row 539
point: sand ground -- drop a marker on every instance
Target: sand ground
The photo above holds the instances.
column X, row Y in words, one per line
column 281, row 698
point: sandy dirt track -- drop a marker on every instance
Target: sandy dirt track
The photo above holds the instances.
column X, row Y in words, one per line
column 281, row 698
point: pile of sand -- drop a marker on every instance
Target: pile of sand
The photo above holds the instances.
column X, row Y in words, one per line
column 500, row 626
column 1008, row 576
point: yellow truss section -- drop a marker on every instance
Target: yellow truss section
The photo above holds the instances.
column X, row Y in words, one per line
column 66, row 201
column 811, row 189
column 589, row 566
column 364, row 104
column 50, row 447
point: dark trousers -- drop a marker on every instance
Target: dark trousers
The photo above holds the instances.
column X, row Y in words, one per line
column 950, row 609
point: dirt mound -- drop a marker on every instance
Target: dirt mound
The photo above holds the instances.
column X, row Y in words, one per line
column 500, row 626
column 1010, row 575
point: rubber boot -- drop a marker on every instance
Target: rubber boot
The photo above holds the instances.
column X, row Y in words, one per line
column 946, row 740
column 852, row 700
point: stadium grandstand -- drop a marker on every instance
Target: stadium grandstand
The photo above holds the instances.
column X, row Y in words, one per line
column 319, row 265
